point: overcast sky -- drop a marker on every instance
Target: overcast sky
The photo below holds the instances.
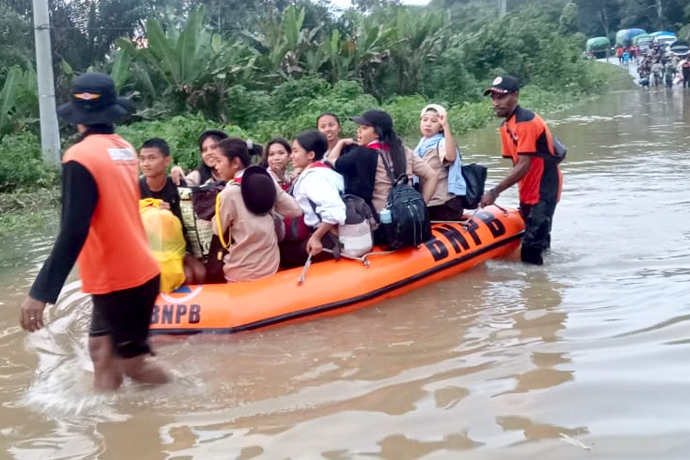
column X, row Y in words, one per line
column 346, row 3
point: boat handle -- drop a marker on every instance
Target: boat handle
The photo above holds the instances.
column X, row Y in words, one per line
column 362, row 259
column 303, row 275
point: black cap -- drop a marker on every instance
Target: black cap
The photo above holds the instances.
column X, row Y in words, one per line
column 375, row 118
column 503, row 85
column 258, row 190
column 94, row 101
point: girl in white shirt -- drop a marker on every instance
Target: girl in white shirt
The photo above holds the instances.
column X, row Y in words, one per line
column 317, row 190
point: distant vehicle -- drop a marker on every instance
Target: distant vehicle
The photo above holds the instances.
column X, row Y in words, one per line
column 664, row 38
column 598, row 47
column 680, row 48
column 625, row 37
column 662, row 32
column 643, row 41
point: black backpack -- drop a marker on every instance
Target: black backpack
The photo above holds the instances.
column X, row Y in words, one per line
column 559, row 150
column 475, row 177
column 410, row 223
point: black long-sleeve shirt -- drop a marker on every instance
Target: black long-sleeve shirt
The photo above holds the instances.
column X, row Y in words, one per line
column 358, row 167
column 79, row 199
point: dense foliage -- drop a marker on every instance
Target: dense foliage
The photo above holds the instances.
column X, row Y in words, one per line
column 261, row 68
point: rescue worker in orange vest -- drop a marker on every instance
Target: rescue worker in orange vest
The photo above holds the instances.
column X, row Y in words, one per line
column 102, row 230
column 527, row 141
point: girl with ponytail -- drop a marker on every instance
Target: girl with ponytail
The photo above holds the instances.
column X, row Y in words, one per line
column 244, row 222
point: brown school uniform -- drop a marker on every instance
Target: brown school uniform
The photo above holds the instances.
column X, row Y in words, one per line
column 254, row 252
column 193, row 179
column 283, row 184
column 435, row 157
column 382, row 184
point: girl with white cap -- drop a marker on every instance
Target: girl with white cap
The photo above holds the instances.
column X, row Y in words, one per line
column 439, row 150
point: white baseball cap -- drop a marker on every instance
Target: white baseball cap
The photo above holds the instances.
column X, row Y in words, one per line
column 435, row 107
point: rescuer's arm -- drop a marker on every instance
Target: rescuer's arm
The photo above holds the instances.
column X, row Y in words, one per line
column 79, row 198
column 519, row 170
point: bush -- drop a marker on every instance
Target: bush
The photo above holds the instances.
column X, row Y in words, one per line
column 246, row 108
column 474, row 115
column 21, row 164
column 450, row 80
column 405, row 113
column 290, row 97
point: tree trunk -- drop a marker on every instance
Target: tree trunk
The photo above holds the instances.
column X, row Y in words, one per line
column 604, row 19
column 502, row 8
column 660, row 14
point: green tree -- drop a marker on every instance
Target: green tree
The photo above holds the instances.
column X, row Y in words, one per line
column 598, row 17
column 567, row 23
column 18, row 100
column 371, row 5
column 17, row 38
column 196, row 65
column 84, row 32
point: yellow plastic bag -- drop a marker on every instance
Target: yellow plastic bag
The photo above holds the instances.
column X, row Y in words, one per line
column 164, row 232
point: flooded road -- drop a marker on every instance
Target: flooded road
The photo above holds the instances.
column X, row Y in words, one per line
column 585, row 357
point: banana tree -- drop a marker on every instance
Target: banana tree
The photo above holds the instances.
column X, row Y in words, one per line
column 180, row 57
column 340, row 54
column 8, row 96
column 368, row 50
column 120, row 70
column 284, row 45
column 194, row 66
column 418, row 41
column 18, row 100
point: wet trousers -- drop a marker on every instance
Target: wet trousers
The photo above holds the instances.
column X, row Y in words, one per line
column 537, row 238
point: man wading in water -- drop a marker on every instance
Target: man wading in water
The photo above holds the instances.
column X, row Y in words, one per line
column 526, row 140
column 101, row 225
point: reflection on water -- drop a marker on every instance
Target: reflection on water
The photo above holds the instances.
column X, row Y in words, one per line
column 500, row 362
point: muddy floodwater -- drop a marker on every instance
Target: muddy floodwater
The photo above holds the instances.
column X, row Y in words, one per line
column 586, row 357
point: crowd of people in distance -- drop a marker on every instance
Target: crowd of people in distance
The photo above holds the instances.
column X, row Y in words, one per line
column 659, row 67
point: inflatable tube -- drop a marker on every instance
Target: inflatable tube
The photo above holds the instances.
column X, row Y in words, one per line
column 338, row 286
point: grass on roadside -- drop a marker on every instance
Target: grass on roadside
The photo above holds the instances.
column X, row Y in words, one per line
column 25, row 211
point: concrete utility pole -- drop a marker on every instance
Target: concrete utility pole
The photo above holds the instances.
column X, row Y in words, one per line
column 50, row 133
column 502, row 8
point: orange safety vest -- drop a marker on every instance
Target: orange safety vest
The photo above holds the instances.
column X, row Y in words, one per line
column 116, row 254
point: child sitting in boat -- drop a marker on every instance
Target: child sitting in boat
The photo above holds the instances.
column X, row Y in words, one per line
column 439, row 150
column 328, row 124
column 205, row 172
column 244, row 219
column 275, row 159
column 154, row 159
column 317, row 190
column 363, row 168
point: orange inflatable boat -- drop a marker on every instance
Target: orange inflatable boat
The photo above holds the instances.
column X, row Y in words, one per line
column 338, row 286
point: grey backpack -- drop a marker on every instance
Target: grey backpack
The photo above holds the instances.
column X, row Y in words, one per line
column 355, row 235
